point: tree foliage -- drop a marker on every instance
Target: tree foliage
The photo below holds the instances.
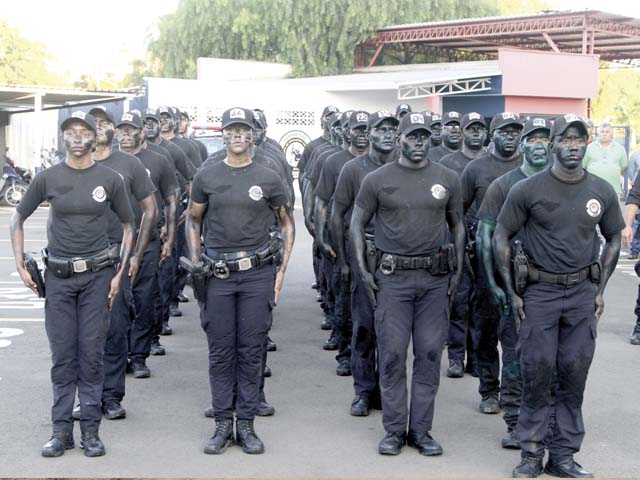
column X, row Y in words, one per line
column 317, row 37
column 618, row 98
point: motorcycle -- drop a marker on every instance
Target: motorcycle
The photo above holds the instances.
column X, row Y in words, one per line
column 13, row 184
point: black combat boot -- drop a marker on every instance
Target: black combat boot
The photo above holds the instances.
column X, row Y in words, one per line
column 566, row 467
column 222, row 437
column 456, row 369
column 635, row 336
column 92, row 445
column 360, row 406
column 425, row 444
column 530, row 467
column 247, row 438
column 392, row 443
column 59, row 442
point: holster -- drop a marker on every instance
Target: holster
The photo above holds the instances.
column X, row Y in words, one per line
column 520, row 264
column 34, row 272
column 371, row 256
column 445, row 260
column 199, row 273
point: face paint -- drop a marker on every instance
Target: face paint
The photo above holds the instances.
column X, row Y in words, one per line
column 346, row 135
column 536, row 149
column 436, row 134
column 237, row 138
column 151, row 129
column 129, row 137
column 259, row 136
column 451, row 136
column 570, row 147
column 474, row 136
column 415, row 146
column 78, row 140
column 105, row 129
column 506, row 139
column 383, row 137
column 336, row 134
column 358, row 137
column 166, row 123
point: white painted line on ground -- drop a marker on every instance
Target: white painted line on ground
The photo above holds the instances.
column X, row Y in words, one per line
column 21, row 319
column 26, row 240
column 11, row 283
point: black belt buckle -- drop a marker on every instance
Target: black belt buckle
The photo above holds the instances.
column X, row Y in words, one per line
column 388, row 264
column 221, row 270
column 573, row 278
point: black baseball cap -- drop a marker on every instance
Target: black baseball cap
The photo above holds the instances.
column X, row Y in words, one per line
column 346, row 117
column 505, row 118
column 80, row 116
column 450, row 117
column 471, row 118
column 334, row 118
column 242, row 116
column 151, row 113
column 359, row 118
column 414, row 121
column 184, row 114
column 435, row 118
column 563, row 122
column 130, row 118
column 329, row 109
column 258, row 117
column 536, row 123
column 377, row 118
column 103, row 109
column 264, row 117
column 403, row 108
column 164, row 109
column 176, row 112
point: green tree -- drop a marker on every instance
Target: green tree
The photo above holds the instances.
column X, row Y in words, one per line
column 317, row 37
column 618, row 98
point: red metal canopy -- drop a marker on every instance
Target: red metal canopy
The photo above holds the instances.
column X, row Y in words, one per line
column 613, row 37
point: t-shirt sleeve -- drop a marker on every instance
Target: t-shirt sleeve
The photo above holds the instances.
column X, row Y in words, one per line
column 455, row 199
column 168, row 182
column 468, row 186
column 316, row 173
column 513, row 214
column 324, row 189
column 278, row 195
column 198, row 193
column 634, row 195
column 119, row 201
column 491, row 204
column 368, row 195
column 344, row 188
column 611, row 221
column 183, row 164
column 141, row 185
column 33, row 197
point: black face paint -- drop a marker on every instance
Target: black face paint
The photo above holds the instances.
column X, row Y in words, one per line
column 78, row 142
column 436, row 135
column 237, row 139
column 506, row 139
column 336, row 134
column 151, row 129
column 129, row 137
column 536, row 149
column 415, row 145
column 346, row 135
column 259, row 136
column 570, row 147
column 358, row 137
column 166, row 123
column 474, row 136
column 383, row 137
column 105, row 131
column 451, row 135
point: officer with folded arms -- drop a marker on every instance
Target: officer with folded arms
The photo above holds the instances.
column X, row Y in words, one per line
column 420, row 235
column 83, row 276
column 240, row 203
column 557, row 296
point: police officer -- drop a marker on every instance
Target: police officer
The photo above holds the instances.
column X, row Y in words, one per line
column 340, row 278
column 183, row 131
column 82, row 276
column 535, row 146
column 506, row 130
column 316, row 142
column 140, row 192
column 382, row 129
column 436, row 128
column 633, row 203
column 474, row 133
column 402, row 110
column 245, row 285
column 184, row 143
column 145, row 291
column 418, row 206
column 451, row 137
column 556, row 213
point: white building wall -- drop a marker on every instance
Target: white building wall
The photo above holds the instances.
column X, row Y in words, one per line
column 29, row 133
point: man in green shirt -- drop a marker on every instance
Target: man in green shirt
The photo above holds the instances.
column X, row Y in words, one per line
column 605, row 158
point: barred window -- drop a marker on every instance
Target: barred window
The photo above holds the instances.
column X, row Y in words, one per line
column 296, row 117
column 214, row 116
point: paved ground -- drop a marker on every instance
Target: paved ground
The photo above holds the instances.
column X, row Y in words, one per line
column 312, row 434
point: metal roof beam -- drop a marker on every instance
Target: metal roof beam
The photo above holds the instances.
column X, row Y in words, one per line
column 453, row 87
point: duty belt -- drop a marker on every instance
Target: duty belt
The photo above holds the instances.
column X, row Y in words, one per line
column 65, row 267
column 389, row 263
column 223, row 263
column 566, row 279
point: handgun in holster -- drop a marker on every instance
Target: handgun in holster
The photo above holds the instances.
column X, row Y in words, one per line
column 31, row 266
column 445, row 260
column 199, row 272
column 520, row 268
column 371, row 256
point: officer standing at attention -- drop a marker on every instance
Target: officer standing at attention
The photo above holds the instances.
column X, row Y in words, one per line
column 436, row 128
column 183, row 130
column 451, row 137
column 474, row 133
column 382, row 130
column 556, row 213
column 418, row 207
column 631, row 210
column 340, row 279
column 316, row 142
column 536, row 149
column 240, row 202
column 402, row 110
column 145, row 291
column 82, row 277
column 476, row 178
column 140, row 192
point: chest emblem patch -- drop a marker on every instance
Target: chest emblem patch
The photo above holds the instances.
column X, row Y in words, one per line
column 438, row 191
column 98, row 194
column 593, row 207
column 255, row 193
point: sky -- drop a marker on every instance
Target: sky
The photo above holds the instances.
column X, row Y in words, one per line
column 126, row 24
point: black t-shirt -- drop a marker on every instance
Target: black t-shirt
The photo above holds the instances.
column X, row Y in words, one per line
column 557, row 220
column 80, row 201
column 180, row 159
column 437, row 153
column 479, row 174
column 317, row 162
column 456, row 161
column 163, row 177
column 202, row 149
column 279, row 156
column 138, row 187
column 329, row 175
column 240, row 204
column 634, row 194
column 270, row 142
column 497, row 194
column 308, row 151
column 348, row 186
column 189, row 149
column 164, row 153
column 410, row 206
